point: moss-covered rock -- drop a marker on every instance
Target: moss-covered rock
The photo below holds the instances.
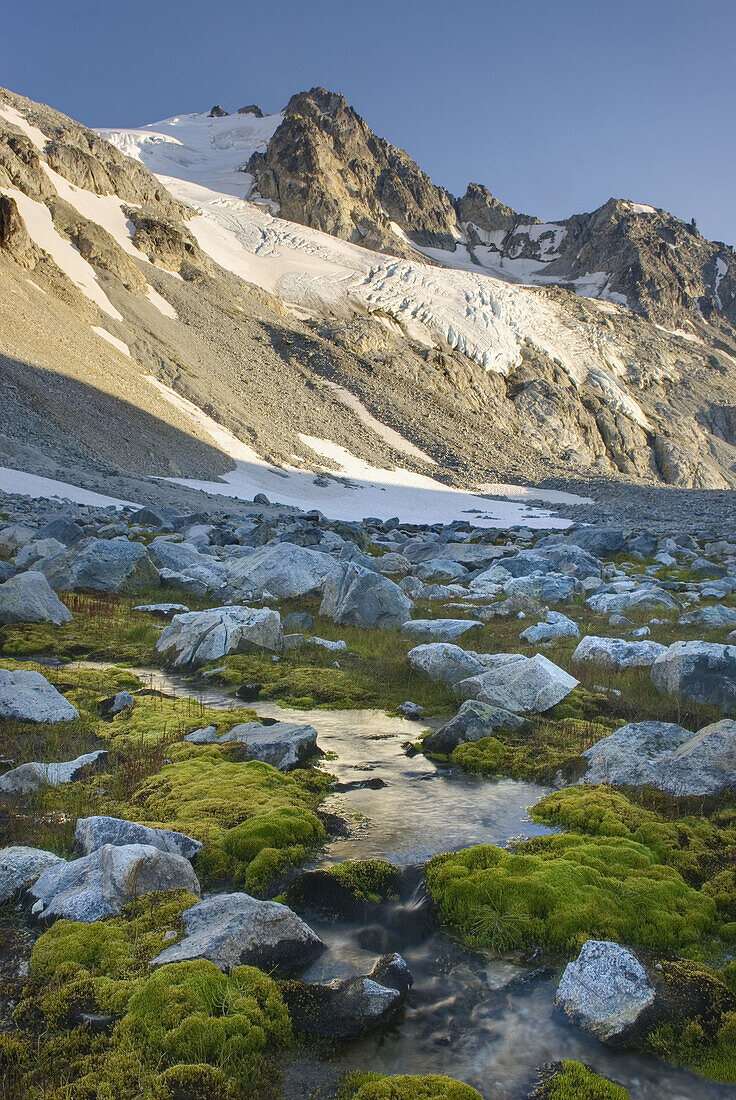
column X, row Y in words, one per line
column 558, row 891
column 377, row 1086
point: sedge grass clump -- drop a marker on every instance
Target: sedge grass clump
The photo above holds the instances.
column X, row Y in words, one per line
column 254, row 821
column 559, row 891
column 192, row 1013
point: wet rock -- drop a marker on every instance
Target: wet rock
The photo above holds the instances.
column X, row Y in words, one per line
column 617, row 653
column 473, row 721
column 29, row 598
column 237, row 929
column 703, row 672
column 100, row 884
column 249, row 692
column 360, row 597
column 348, row 1008
column 20, row 867
column 323, row 895
column 666, row 756
column 32, row 776
column 441, row 630
column 201, row 636
column 94, row 832
column 29, row 697
column 520, row 685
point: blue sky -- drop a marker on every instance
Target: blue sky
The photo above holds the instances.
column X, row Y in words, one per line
column 554, row 104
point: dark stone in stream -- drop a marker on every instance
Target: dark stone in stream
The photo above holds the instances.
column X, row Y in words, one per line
column 334, row 824
column 374, row 937
column 348, row 1008
column 321, row 894
column 358, row 785
column 249, row 692
column 531, row 977
column 409, row 749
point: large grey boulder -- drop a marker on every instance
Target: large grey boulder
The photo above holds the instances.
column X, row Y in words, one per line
column 349, row 1007
column 710, row 617
column 473, row 721
column 703, row 672
column 32, row 776
column 63, row 530
column 167, row 554
column 103, row 565
column 93, row 832
column 522, row 685
column 284, row 745
column 603, row 542
column 573, row 560
column 29, row 697
column 359, row 597
column 444, row 663
column 14, row 536
column 283, row 569
column 100, row 884
column 201, row 636
column 29, row 598
column 21, row 866
column 644, row 598
column 666, row 756
column 617, row 653
column 237, row 929
column 437, row 570
column 604, row 990
column 441, row 630
column 35, row 551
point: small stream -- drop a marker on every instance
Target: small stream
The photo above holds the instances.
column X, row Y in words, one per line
column 487, row 1022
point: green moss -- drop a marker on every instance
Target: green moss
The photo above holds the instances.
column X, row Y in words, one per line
column 191, row 1012
column 552, row 745
column 558, row 891
column 701, row 848
column 196, row 1082
column 377, row 1086
column 370, row 880
column 571, row 1080
column 255, row 822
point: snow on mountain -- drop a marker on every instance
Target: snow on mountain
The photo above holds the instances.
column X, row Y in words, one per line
column 210, row 151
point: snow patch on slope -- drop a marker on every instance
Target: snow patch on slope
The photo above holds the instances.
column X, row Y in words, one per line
column 46, row 488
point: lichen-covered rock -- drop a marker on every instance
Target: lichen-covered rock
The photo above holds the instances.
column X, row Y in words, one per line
column 712, row 618
column 618, row 653
column 236, row 929
column 360, row 597
column 201, row 636
column 29, row 598
column 524, row 685
column 29, row 697
column 647, row 597
column 93, row 832
column 666, row 756
column 32, row 776
column 444, row 663
column 103, row 565
column 100, row 884
column 605, row 989
column 556, row 625
column 283, row 569
column 442, row 630
column 703, row 672
column 20, row 867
